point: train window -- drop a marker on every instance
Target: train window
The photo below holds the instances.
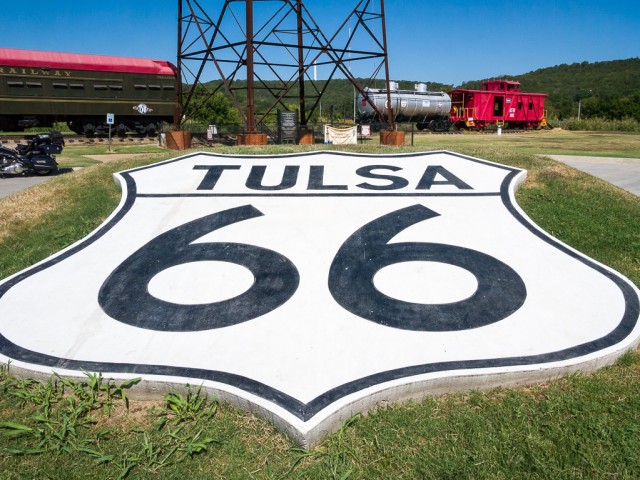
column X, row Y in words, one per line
column 115, row 87
column 519, row 105
column 60, row 85
column 77, row 86
column 168, row 87
column 34, row 85
column 530, row 105
column 16, row 84
column 140, row 87
column 100, row 87
column 154, row 87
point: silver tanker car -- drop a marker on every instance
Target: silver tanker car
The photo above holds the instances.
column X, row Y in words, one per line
column 427, row 109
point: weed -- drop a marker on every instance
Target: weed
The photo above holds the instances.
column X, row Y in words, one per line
column 184, row 407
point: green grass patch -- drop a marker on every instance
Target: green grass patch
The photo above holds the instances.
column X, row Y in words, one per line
column 557, row 142
column 74, row 156
column 583, row 426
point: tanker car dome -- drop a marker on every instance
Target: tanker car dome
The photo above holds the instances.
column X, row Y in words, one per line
column 393, row 86
column 421, row 87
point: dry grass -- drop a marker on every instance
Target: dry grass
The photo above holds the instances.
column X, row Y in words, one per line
column 24, row 208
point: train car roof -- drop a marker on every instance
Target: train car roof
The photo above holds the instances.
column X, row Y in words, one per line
column 14, row 57
column 470, row 90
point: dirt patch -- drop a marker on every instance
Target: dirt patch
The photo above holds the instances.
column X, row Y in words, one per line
column 536, row 176
column 111, row 157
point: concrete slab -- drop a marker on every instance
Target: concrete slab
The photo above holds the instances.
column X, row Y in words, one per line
column 310, row 287
column 622, row 172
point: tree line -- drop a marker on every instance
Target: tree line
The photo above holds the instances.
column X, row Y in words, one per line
column 608, row 90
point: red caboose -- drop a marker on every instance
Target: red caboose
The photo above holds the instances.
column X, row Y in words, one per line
column 498, row 102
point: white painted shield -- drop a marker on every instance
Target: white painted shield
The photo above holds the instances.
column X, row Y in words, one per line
column 310, row 287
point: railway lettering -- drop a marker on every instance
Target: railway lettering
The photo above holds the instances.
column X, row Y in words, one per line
column 44, row 72
column 385, row 177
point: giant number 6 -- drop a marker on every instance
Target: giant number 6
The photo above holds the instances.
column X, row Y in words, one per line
column 125, row 296
column 500, row 291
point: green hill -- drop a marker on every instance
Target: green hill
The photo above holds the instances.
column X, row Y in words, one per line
column 606, row 89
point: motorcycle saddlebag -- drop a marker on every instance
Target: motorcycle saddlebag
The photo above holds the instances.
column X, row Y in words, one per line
column 52, row 149
column 43, row 162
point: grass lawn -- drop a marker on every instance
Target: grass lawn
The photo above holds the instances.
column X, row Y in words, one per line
column 558, row 142
column 583, row 426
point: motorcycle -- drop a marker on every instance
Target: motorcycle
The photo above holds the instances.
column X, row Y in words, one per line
column 36, row 157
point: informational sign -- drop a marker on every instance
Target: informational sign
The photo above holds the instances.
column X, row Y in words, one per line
column 287, row 126
column 341, row 135
column 212, row 130
column 365, row 130
column 310, row 287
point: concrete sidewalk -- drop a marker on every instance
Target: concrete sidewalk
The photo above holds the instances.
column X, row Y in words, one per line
column 621, row 172
column 11, row 184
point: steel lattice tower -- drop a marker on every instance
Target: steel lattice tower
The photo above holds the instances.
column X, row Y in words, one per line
column 241, row 46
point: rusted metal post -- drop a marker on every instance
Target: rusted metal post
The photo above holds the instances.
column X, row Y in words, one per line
column 251, row 114
column 177, row 113
column 301, row 66
column 386, row 67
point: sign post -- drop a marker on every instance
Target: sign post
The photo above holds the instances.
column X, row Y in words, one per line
column 110, row 120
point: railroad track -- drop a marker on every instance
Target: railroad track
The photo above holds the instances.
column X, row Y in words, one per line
column 481, row 132
column 74, row 139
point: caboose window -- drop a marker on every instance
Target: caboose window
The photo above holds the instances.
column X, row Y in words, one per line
column 530, row 105
column 519, row 105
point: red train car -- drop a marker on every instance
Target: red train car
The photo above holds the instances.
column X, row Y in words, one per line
column 498, row 102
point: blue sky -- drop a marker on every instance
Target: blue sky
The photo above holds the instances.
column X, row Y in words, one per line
column 444, row 41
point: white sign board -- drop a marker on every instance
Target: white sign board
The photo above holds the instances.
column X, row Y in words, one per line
column 110, row 118
column 310, row 287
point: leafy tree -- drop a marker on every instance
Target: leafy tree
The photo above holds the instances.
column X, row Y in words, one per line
column 218, row 110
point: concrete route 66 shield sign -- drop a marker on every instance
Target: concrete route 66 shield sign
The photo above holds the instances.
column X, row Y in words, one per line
column 310, row 287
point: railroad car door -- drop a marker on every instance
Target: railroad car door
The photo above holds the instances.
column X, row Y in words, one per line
column 498, row 106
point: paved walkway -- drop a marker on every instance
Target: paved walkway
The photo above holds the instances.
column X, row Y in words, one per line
column 622, row 172
column 15, row 183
